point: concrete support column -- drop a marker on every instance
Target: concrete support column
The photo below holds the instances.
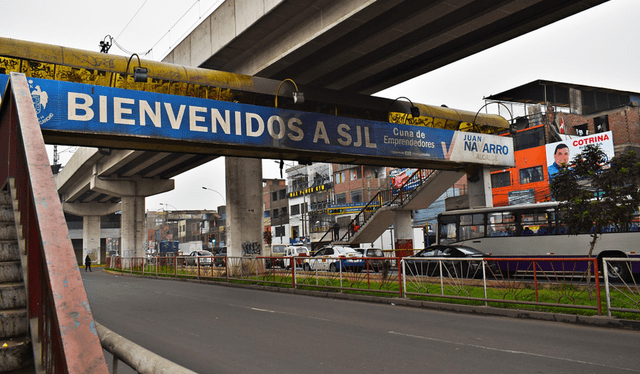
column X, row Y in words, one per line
column 403, row 233
column 132, row 222
column 479, row 184
column 133, row 226
column 91, row 238
column 91, row 214
column 244, row 217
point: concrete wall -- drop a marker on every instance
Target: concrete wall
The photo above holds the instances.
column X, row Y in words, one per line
column 231, row 19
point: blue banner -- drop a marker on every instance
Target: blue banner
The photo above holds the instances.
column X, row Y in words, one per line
column 81, row 108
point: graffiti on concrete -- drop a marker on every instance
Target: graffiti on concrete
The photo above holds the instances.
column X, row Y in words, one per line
column 250, row 248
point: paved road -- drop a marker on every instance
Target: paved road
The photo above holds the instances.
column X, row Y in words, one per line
column 217, row 329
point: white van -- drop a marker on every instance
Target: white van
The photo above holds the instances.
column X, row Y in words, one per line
column 275, row 250
column 295, row 251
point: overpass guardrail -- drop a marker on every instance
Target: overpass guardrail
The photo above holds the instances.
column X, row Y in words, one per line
column 56, row 299
column 566, row 285
column 136, row 357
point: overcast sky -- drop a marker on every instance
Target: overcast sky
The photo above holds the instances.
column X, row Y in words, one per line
column 599, row 47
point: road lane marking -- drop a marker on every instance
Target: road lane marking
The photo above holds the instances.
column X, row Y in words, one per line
column 512, row 351
column 264, row 310
column 279, row 312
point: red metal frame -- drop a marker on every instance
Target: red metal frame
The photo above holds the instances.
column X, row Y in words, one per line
column 550, row 259
column 57, row 298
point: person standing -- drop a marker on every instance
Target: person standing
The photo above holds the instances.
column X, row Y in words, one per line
column 336, row 232
column 87, row 263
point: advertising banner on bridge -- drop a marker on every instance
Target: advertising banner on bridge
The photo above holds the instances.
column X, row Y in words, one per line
column 89, row 109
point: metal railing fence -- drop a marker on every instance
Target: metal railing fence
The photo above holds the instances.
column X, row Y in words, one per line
column 57, row 300
column 136, row 357
column 624, row 295
column 563, row 283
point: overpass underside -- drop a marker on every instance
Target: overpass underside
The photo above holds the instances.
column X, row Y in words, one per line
column 338, row 53
column 358, row 46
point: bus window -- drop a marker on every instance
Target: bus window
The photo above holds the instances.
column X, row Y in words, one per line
column 501, row 224
column 471, row 226
column 535, row 223
column 448, row 233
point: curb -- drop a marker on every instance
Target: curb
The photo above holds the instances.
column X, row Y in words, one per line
column 594, row 321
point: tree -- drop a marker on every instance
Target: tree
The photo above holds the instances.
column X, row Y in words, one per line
column 595, row 193
column 266, row 235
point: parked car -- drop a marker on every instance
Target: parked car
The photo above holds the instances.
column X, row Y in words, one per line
column 295, row 251
column 221, row 257
column 376, row 263
column 335, row 258
column 204, row 256
column 419, row 263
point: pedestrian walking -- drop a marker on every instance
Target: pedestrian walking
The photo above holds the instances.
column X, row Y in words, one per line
column 87, row 263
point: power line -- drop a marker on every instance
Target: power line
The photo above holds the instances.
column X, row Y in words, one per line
column 207, row 12
column 197, row 2
column 131, row 20
column 174, row 25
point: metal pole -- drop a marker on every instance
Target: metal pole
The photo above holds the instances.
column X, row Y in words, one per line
column 441, row 278
column 595, row 266
column 605, row 272
column 340, row 275
column 535, row 279
column 484, row 280
column 403, row 276
column 293, row 272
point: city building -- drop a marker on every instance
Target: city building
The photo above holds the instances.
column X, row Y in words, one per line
column 276, row 210
column 185, row 226
column 556, row 113
column 309, row 190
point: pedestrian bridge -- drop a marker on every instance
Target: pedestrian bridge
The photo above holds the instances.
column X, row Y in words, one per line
column 88, row 106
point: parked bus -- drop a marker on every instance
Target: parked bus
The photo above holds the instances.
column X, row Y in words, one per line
column 536, row 230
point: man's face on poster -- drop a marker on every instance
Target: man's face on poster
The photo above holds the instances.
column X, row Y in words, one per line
column 561, row 156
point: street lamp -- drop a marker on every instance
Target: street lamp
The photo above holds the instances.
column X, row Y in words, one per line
column 415, row 111
column 211, row 189
column 298, row 97
column 168, row 205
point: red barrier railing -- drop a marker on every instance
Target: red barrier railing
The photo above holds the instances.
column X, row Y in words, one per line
column 551, row 282
column 536, row 269
column 56, row 295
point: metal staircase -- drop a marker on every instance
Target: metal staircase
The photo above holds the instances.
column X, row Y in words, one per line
column 16, row 353
column 43, row 302
column 419, row 191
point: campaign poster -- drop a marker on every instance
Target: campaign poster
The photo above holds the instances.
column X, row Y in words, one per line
column 560, row 154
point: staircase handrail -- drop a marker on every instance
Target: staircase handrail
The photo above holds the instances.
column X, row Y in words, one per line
column 399, row 195
column 57, row 300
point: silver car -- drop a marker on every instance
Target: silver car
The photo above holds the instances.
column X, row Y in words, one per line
column 205, row 257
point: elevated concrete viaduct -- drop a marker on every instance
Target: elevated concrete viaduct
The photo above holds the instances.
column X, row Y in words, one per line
column 353, row 46
column 96, row 182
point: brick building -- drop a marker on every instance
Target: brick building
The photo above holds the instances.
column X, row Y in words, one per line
column 276, row 207
column 552, row 112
